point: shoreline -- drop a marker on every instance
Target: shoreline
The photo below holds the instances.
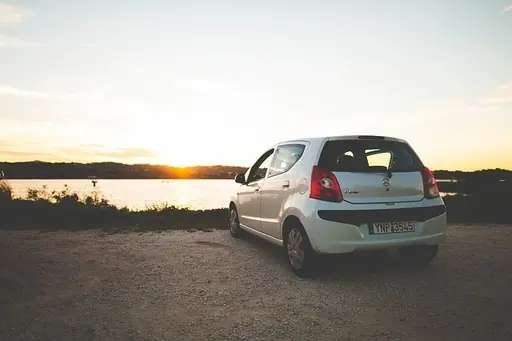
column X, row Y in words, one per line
column 44, row 210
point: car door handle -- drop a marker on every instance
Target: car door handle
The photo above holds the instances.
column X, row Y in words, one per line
column 256, row 189
column 286, row 184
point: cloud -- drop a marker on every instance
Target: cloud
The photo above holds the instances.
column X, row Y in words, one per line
column 501, row 95
column 506, row 9
column 119, row 153
column 15, row 92
column 24, row 149
column 464, row 111
column 10, row 14
column 18, row 156
column 52, row 141
column 43, row 149
column 6, row 41
column 76, row 45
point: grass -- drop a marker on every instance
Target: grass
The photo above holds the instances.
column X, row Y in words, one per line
column 52, row 210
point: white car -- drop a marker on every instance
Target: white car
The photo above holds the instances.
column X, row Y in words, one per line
column 334, row 195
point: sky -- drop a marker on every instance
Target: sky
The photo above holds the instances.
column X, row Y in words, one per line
column 217, row 82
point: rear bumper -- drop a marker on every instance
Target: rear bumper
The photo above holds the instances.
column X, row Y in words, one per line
column 332, row 232
column 359, row 217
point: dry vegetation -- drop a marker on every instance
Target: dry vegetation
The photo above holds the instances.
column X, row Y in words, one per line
column 52, row 210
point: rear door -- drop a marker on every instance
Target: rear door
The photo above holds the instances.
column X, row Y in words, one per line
column 278, row 188
column 374, row 170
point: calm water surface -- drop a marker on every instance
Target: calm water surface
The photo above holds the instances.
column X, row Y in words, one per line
column 137, row 194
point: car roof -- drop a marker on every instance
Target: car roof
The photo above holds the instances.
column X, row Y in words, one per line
column 345, row 137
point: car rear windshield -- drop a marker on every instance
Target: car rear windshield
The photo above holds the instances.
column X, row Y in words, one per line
column 368, row 156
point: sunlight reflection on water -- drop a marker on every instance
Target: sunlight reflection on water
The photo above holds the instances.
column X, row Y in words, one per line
column 137, row 194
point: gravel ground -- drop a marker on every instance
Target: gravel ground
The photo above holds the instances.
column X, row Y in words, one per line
column 208, row 286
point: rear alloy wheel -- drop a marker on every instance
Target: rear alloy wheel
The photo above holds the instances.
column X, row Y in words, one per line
column 419, row 255
column 301, row 256
column 234, row 223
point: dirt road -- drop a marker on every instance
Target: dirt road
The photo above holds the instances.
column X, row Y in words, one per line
column 208, row 286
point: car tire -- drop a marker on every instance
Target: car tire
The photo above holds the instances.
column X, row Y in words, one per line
column 234, row 224
column 420, row 255
column 302, row 259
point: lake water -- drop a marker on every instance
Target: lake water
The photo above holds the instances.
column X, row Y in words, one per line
column 138, row 194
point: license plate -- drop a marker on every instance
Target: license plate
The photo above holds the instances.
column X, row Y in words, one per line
column 392, row 227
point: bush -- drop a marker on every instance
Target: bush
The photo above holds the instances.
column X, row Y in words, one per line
column 478, row 209
column 5, row 191
column 66, row 197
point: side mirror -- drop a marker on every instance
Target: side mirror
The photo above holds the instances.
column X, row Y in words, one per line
column 240, row 178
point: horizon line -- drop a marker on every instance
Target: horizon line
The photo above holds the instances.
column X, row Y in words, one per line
column 210, row 165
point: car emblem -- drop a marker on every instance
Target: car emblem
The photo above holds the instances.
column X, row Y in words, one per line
column 385, row 182
column 351, row 191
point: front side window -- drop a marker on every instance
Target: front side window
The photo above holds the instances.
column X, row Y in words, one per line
column 259, row 169
column 286, row 157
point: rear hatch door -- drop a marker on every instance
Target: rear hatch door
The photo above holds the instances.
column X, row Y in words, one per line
column 374, row 170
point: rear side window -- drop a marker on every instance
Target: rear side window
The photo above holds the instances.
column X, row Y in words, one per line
column 286, row 157
column 368, row 156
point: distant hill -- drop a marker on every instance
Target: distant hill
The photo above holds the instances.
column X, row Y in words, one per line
column 480, row 175
column 112, row 170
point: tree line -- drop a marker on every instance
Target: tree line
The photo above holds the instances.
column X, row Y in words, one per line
column 112, row 170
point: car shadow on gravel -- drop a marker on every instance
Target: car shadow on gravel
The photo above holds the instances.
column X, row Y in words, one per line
column 361, row 265
column 353, row 266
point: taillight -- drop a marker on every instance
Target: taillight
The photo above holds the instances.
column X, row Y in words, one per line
column 430, row 188
column 325, row 186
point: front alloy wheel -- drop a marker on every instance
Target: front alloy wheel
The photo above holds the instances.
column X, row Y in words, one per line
column 234, row 223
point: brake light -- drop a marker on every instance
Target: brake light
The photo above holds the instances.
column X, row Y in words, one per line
column 430, row 188
column 325, row 186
